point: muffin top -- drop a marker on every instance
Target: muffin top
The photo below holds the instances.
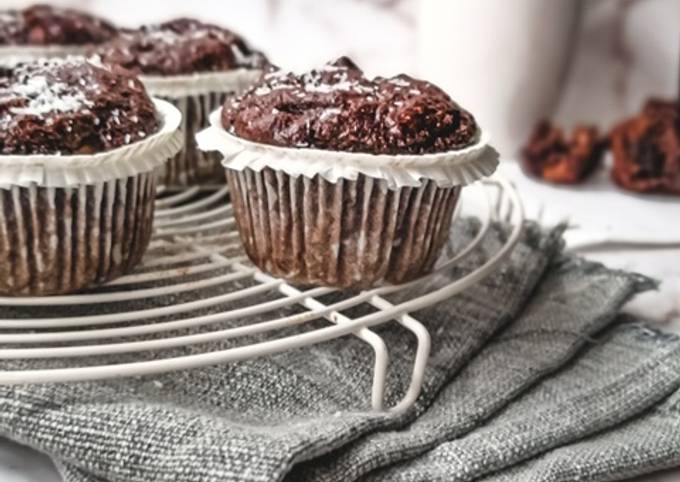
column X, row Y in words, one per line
column 181, row 46
column 46, row 25
column 338, row 108
column 71, row 106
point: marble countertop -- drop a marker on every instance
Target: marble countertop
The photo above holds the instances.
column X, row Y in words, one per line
column 608, row 232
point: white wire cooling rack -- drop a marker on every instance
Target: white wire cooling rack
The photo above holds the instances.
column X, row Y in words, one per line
column 195, row 278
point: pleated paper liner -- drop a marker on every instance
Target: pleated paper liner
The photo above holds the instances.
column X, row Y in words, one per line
column 196, row 96
column 59, row 240
column 11, row 54
column 348, row 220
column 446, row 169
column 67, row 222
column 351, row 233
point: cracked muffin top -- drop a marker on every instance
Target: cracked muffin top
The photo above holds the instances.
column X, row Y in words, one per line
column 181, row 46
column 47, row 25
column 71, row 106
column 338, row 108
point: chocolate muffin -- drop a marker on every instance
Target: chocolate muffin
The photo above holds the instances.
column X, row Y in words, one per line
column 341, row 180
column 76, row 203
column 646, row 149
column 196, row 66
column 47, row 25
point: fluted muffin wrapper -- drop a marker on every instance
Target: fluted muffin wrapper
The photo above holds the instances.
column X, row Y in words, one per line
column 196, row 96
column 59, row 240
column 11, row 54
column 177, row 86
column 348, row 220
column 191, row 165
column 67, row 222
column 348, row 234
column 446, row 169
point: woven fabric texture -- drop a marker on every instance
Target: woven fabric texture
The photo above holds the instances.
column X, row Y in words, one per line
column 520, row 366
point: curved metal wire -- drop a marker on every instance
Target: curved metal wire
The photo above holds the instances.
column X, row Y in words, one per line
column 196, row 248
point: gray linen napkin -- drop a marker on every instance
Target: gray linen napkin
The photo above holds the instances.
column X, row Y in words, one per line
column 645, row 444
column 624, row 374
column 572, row 302
column 642, row 445
column 255, row 420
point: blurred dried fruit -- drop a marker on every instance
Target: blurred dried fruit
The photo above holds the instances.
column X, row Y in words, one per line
column 646, row 149
column 551, row 156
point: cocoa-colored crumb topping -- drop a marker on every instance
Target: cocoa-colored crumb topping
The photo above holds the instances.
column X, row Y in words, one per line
column 47, row 25
column 646, row 149
column 554, row 157
column 181, row 46
column 71, row 106
column 338, row 108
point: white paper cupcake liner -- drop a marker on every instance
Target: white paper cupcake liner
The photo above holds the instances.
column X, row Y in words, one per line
column 191, row 165
column 60, row 240
column 11, row 54
column 446, row 169
column 347, row 234
column 67, row 222
column 196, row 96
column 178, row 86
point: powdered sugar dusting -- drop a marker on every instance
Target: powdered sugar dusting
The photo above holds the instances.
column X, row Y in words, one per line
column 267, row 89
column 11, row 17
column 330, row 112
column 329, row 79
column 345, row 85
column 159, row 33
column 35, row 90
column 163, row 35
column 399, row 82
column 44, row 97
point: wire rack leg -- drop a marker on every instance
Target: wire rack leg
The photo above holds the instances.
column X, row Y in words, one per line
column 381, row 354
column 423, row 348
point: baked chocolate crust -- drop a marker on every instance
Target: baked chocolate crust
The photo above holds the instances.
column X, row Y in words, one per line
column 71, row 106
column 338, row 108
column 181, row 46
column 555, row 157
column 47, row 25
column 646, row 149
